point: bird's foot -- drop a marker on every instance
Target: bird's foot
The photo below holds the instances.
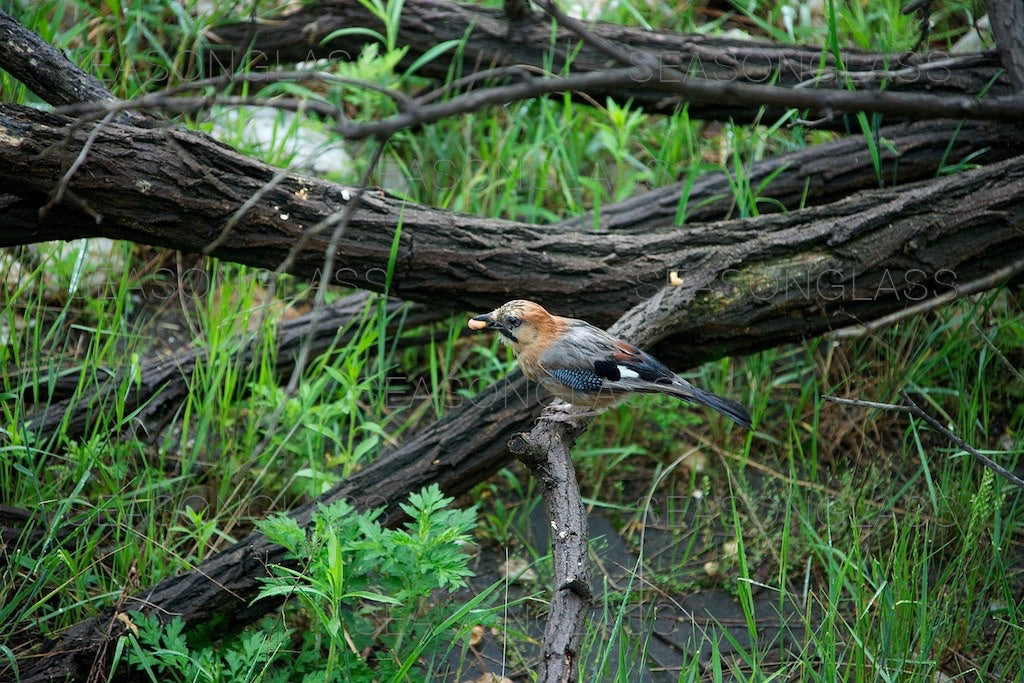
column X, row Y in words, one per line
column 560, row 411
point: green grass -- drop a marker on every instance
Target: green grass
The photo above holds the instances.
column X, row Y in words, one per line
column 892, row 555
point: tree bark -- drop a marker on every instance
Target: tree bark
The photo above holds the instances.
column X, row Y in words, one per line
column 819, row 174
column 1007, row 19
column 493, row 40
column 745, row 288
column 46, row 72
column 179, row 195
column 745, row 285
column 546, row 453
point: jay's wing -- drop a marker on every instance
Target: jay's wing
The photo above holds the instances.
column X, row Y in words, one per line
column 588, row 359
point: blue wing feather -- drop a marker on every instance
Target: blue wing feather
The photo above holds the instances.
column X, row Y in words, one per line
column 578, row 380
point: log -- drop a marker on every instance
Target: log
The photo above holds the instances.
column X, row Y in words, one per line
column 966, row 223
column 164, row 381
column 495, row 41
column 819, row 174
column 731, row 300
column 151, row 192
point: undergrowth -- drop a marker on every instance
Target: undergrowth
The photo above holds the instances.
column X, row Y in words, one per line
column 887, row 553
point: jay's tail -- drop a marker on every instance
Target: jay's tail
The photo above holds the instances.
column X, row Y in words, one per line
column 737, row 412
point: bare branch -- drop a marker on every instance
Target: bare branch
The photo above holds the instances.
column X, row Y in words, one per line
column 492, row 40
column 648, row 74
column 990, row 280
column 914, row 409
column 822, row 103
column 46, row 72
column 545, row 452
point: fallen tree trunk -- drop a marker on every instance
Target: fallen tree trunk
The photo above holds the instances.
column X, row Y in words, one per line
column 819, row 174
column 150, row 192
column 163, row 382
column 494, row 41
column 747, row 285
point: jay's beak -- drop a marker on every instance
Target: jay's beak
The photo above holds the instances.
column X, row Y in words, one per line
column 481, row 322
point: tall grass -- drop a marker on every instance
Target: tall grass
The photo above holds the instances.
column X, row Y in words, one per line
column 887, row 551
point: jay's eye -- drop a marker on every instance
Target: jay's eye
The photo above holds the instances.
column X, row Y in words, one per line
column 513, row 322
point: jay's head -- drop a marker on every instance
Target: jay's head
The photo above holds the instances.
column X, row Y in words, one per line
column 520, row 323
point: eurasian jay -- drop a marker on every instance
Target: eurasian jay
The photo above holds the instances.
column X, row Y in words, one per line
column 585, row 366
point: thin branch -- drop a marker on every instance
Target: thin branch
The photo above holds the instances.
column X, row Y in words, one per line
column 248, row 204
column 823, row 103
column 158, row 101
column 960, row 443
column 911, row 407
column 57, row 196
column 859, row 403
column 344, row 217
column 999, row 354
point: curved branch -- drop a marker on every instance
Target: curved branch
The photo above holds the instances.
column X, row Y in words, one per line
column 966, row 223
column 493, row 40
column 48, row 73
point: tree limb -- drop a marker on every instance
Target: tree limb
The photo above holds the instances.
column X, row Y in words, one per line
column 958, row 227
column 1007, row 20
column 494, row 41
column 545, row 452
column 46, row 72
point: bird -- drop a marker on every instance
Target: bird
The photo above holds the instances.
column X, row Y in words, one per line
column 586, row 366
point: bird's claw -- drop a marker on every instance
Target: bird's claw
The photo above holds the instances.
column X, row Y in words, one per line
column 560, row 411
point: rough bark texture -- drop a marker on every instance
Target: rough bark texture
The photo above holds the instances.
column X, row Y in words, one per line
column 747, row 285
column 495, row 41
column 1007, row 19
column 545, row 452
column 180, row 195
column 46, row 72
column 819, row 174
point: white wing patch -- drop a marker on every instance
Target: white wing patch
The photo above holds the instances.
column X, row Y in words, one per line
column 626, row 373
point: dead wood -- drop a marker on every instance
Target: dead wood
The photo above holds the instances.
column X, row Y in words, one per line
column 163, row 381
column 546, row 453
column 1007, row 19
column 179, row 195
column 46, row 72
column 745, row 286
column 495, row 41
column 818, row 174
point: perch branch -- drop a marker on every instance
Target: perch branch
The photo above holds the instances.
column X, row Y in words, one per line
column 545, row 453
